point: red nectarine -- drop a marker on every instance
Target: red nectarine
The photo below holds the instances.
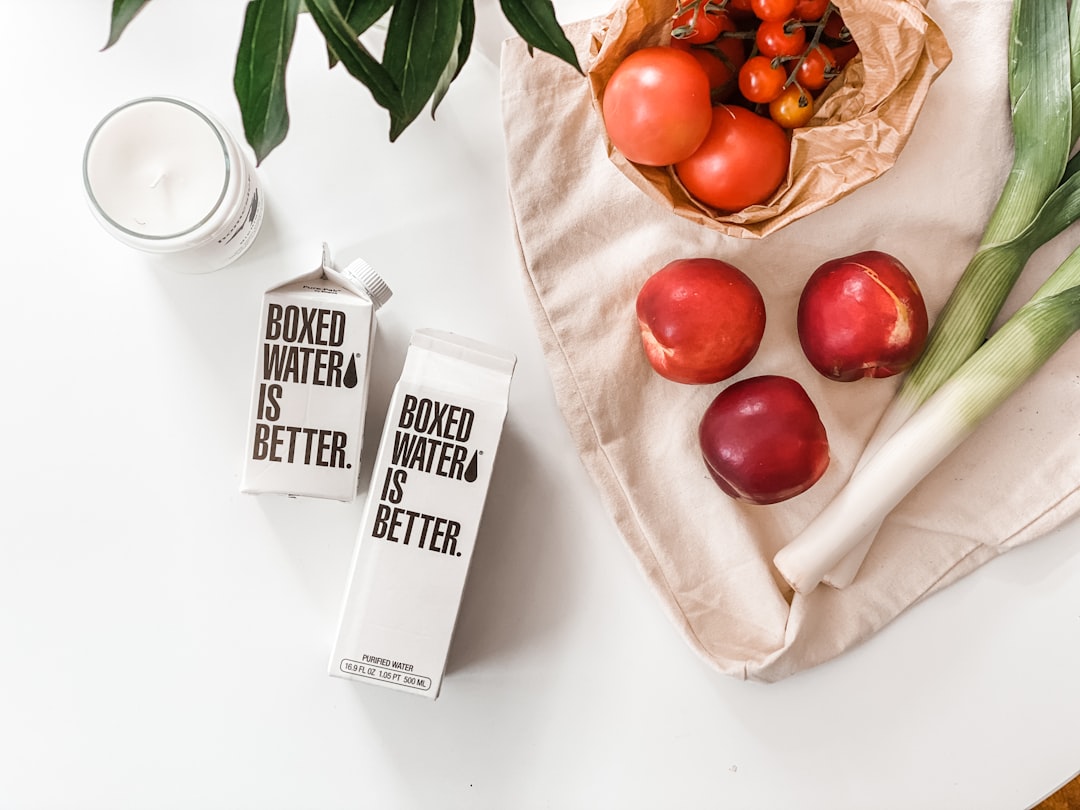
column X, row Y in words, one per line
column 862, row 316
column 701, row 320
column 763, row 441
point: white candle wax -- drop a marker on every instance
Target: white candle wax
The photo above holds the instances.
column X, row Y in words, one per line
column 163, row 176
column 157, row 169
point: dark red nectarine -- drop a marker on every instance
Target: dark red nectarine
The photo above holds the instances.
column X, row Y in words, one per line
column 763, row 441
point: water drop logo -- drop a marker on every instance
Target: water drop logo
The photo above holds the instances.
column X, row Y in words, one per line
column 351, row 378
column 471, row 469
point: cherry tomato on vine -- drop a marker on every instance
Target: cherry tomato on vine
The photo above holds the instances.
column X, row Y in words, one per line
column 811, row 9
column 740, row 6
column 844, row 54
column 793, row 108
column 721, row 75
column 780, row 38
column 817, row 69
column 656, row 106
column 772, row 9
column 741, row 162
column 835, row 28
column 761, row 79
column 698, row 31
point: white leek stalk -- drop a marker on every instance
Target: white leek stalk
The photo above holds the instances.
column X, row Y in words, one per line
column 1011, row 355
column 1043, row 51
column 997, row 264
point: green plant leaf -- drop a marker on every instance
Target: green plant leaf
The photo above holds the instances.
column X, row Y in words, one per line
column 362, row 66
column 123, row 12
column 420, row 41
column 360, row 15
column 1074, row 47
column 535, row 21
column 259, row 78
column 463, row 46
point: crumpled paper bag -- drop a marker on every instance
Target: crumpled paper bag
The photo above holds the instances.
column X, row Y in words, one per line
column 861, row 123
column 589, row 238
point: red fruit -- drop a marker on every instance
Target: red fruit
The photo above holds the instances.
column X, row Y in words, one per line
column 844, row 54
column 761, row 79
column 817, row 68
column 781, row 38
column 741, row 162
column 657, row 107
column 695, row 26
column 862, row 316
column 720, row 75
column 701, row 320
column 763, row 441
column 810, row 9
column 773, row 9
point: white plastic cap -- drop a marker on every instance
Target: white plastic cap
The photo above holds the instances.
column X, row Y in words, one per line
column 363, row 275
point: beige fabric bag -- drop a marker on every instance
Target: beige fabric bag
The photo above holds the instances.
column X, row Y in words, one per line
column 589, row 238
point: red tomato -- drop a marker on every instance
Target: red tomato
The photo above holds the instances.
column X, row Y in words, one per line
column 656, row 106
column 721, row 77
column 835, row 28
column 724, row 22
column 817, row 69
column 761, row 79
column 793, row 108
column 811, row 9
column 722, row 58
column 781, row 38
column 772, row 9
column 742, row 161
column 844, row 54
column 697, row 31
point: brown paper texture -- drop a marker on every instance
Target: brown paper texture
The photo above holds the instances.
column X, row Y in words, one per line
column 589, row 238
column 862, row 120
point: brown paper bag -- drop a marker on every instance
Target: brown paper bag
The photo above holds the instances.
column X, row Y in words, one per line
column 589, row 238
column 861, row 123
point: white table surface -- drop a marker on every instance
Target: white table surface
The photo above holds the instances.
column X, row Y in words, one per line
column 164, row 639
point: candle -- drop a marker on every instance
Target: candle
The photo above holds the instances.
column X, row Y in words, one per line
column 162, row 175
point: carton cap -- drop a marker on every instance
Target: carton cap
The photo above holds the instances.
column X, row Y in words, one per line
column 363, row 275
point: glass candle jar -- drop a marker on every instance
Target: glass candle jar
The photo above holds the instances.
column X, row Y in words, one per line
column 164, row 176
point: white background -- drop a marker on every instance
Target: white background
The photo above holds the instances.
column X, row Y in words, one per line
column 164, row 639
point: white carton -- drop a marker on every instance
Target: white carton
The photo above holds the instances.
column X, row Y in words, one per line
column 310, row 390
column 422, row 513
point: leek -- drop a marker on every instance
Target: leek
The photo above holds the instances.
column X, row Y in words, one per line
column 1044, row 55
column 1001, row 261
column 1011, row 355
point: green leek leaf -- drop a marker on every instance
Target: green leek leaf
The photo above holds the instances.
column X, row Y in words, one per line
column 1040, row 87
column 1040, row 91
column 345, row 44
column 535, row 21
column 123, row 12
column 1074, row 37
column 420, row 41
column 259, row 79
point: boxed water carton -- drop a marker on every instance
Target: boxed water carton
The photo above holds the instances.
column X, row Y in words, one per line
column 309, row 395
column 422, row 513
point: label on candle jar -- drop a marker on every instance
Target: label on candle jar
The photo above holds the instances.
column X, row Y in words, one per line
column 311, row 380
column 422, row 513
column 241, row 231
